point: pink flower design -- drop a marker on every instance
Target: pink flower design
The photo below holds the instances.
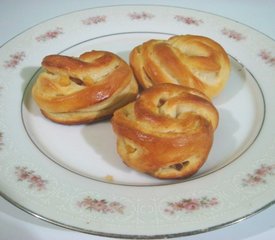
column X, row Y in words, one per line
column 102, row 205
column 15, row 59
column 190, row 205
column 94, row 20
column 34, row 180
column 267, row 57
column 188, row 20
column 233, row 34
column 49, row 35
column 259, row 175
column 140, row 16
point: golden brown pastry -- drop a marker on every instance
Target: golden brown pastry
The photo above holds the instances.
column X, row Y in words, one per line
column 85, row 89
column 167, row 132
column 189, row 60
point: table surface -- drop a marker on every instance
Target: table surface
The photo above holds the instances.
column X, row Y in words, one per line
column 17, row 16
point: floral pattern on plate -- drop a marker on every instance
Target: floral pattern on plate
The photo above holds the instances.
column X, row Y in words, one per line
column 35, row 181
column 94, row 20
column 102, row 205
column 51, row 34
column 140, row 15
column 190, row 204
column 188, row 20
column 267, row 57
column 233, row 34
column 15, row 60
column 259, row 175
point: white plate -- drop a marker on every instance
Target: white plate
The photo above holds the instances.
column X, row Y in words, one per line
column 72, row 176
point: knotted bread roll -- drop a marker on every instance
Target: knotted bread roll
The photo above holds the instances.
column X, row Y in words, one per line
column 193, row 61
column 167, row 132
column 85, row 89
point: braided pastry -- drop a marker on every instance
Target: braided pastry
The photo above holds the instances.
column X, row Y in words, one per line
column 188, row 60
column 167, row 132
column 85, row 89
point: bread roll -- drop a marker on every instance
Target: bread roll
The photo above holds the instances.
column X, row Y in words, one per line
column 167, row 132
column 189, row 60
column 85, row 89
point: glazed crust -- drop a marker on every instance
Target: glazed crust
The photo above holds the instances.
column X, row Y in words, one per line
column 167, row 132
column 85, row 89
column 189, row 60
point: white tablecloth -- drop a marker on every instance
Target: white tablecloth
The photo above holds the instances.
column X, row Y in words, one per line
column 16, row 16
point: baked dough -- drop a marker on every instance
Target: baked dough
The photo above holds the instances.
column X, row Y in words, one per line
column 81, row 90
column 189, row 60
column 167, row 132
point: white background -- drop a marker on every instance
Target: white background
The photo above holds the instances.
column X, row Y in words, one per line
column 18, row 15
